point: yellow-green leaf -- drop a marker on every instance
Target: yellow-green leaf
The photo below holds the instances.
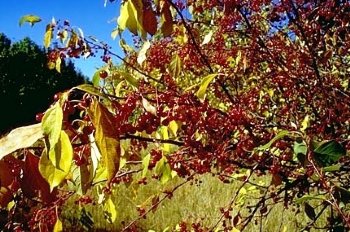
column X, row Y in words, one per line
column 204, row 85
column 91, row 90
column 110, row 211
column 145, row 164
column 52, row 124
column 280, row 135
column 175, row 66
column 129, row 78
column 20, row 138
column 131, row 17
column 48, row 36
column 58, row 226
column 107, row 138
column 55, row 166
column 31, row 19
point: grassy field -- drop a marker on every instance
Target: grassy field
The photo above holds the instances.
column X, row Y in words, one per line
column 195, row 202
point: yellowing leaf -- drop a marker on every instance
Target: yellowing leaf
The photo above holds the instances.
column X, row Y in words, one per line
column 110, row 211
column 58, row 226
column 142, row 54
column 204, row 85
column 107, row 138
column 145, row 164
column 131, row 17
column 175, row 66
column 234, row 229
column 55, row 166
column 305, row 123
column 173, row 127
column 20, row 138
column 149, row 107
column 52, row 124
column 31, row 19
column 48, row 36
column 279, row 135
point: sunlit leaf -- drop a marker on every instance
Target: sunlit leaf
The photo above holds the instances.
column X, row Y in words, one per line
column 52, row 124
column 207, row 37
column 58, row 64
column 142, row 53
column 31, row 19
column 55, row 165
column 91, row 90
column 305, row 123
column 173, row 127
column 48, row 35
column 107, row 138
column 175, row 66
column 130, row 79
column 149, row 107
column 58, row 226
column 110, row 211
column 204, row 85
column 20, row 138
column 145, row 164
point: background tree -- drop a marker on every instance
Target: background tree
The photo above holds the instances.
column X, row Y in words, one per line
column 27, row 85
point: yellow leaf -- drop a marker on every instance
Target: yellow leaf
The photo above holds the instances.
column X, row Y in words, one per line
column 55, row 166
column 110, row 211
column 305, row 123
column 48, row 36
column 145, row 164
column 173, row 127
column 58, row 64
column 58, row 226
column 234, row 229
column 31, row 19
column 204, row 85
column 107, row 138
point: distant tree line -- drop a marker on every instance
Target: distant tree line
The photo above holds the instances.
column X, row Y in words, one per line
column 27, row 85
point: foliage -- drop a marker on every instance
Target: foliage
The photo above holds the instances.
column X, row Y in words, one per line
column 234, row 88
column 26, row 83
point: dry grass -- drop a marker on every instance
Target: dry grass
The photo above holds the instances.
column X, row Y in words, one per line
column 194, row 202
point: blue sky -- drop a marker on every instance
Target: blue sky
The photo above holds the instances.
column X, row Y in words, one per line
column 91, row 16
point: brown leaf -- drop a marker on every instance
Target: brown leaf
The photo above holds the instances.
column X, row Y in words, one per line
column 33, row 184
column 149, row 21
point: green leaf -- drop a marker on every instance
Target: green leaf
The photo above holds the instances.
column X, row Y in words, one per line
column 300, row 148
column 20, row 138
column 31, row 19
column 332, row 168
column 145, row 164
column 107, row 137
column 130, row 79
column 52, row 124
column 329, row 152
column 55, row 166
column 58, row 226
column 142, row 53
column 175, row 66
column 163, row 170
column 96, row 78
column 48, row 35
column 110, row 211
column 91, row 90
column 305, row 198
column 204, row 85
column 279, row 135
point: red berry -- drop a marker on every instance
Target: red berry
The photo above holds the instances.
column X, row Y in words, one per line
column 103, row 74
